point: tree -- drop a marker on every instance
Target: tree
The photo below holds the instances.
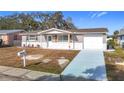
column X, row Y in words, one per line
column 110, row 44
column 70, row 24
column 36, row 21
column 115, row 37
column 54, row 20
column 116, row 34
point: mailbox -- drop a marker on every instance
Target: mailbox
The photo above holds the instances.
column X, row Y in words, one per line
column 23, row 55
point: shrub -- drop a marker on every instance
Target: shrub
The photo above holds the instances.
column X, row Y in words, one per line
column 110, row 44
column 1, row 41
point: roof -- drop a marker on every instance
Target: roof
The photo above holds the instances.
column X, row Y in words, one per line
column 54, row 29
column 110, row 36
column 75, row 31
column 91, row 30
column 30, row 33
column 10, row 31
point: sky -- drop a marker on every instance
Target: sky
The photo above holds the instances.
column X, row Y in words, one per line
column 112, row 20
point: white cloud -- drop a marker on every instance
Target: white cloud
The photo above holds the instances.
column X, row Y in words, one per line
column 93, row 15
column 101, row 14
column 97, row 14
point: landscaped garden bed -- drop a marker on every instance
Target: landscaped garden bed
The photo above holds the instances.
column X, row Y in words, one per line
column 115, row 64
column 46, row 60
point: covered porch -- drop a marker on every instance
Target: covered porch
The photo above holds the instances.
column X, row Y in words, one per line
column 61, row 41
column 58, row 39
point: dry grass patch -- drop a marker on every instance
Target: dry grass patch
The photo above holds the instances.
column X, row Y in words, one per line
column 114, row 71
column 8, row 57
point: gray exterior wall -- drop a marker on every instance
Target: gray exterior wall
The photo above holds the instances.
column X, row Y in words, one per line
column 78, row 38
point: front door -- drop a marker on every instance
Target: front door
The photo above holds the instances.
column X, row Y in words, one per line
column 49, row 38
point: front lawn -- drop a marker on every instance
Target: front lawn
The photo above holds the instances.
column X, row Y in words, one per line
column 114, row 70
column 8, row 57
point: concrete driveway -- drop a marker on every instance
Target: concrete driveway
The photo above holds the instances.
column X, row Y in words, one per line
column 87, row 65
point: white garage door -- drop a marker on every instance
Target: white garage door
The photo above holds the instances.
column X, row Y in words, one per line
column 93, row 42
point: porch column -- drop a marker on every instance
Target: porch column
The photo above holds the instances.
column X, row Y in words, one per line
column 57, row 38
column 73, row 41
column 69, row 40
column 26, row 37
column 47, row 41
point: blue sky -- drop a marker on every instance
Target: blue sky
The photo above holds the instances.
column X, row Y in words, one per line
column 91, row 19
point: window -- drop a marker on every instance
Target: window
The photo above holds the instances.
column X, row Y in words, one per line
column 63, row 38
column 32, row 38
column 15, row 37
column 49, row 38
column 120, row 38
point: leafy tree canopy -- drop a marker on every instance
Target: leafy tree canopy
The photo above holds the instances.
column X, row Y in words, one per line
column 36, row 21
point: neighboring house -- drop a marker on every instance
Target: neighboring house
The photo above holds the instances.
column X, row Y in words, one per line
column 121, row 38
column 11, row 37
column 66, row 39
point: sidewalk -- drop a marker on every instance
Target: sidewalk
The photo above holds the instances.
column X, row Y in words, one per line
column 28, row 74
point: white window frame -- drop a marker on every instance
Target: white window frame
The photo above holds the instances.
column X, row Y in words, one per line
column 32, row 38
column 63, row 39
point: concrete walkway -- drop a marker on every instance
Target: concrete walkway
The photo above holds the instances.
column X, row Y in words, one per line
column 25, row 74
column 87, row 65
column 11, row 78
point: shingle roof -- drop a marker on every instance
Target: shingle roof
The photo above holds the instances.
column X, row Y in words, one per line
column 91, row 30
column 76, row 31
column 10, row 31
column 29, row 33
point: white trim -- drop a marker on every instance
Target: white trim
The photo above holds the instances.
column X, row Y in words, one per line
column 32, row 39
column 54, row 29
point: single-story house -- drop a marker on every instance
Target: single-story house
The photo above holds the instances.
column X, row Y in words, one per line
column 121, row 38
column 77, row 39
column 11, row 37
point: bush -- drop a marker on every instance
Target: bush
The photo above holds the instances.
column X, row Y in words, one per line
column 110, row 44
column 1, row 41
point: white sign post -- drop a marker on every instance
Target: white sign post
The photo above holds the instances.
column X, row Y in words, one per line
column 23, row 55
column 24, row 61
